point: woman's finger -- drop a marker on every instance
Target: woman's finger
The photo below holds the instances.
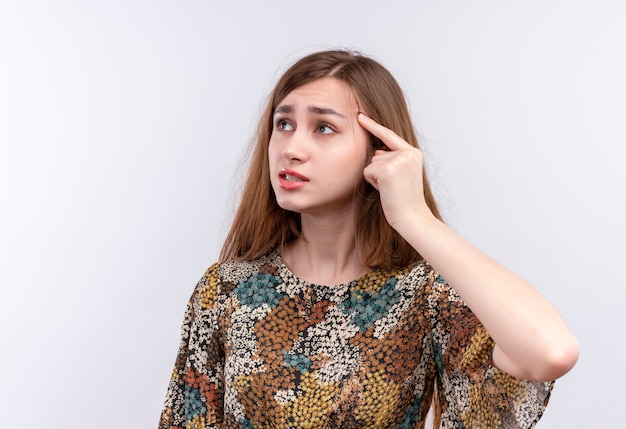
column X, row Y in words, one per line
column 391, row 139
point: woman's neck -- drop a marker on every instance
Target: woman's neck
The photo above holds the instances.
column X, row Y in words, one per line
column 326, row 253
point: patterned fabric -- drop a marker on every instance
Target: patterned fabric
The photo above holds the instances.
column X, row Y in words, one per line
column 261, row 348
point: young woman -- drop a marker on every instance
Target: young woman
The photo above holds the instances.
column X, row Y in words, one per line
column 341, row 299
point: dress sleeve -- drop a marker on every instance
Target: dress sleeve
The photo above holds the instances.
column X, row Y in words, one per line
column 472, row 392
column 195, row 394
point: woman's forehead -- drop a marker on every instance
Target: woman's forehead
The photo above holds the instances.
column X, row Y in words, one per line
column 319, row 95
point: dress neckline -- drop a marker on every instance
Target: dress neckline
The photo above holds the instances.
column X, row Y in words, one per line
column 286, row 273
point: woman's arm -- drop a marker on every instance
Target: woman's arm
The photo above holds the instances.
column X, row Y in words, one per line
column 532, row 340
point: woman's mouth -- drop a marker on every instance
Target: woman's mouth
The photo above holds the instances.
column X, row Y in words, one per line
column 289, row 179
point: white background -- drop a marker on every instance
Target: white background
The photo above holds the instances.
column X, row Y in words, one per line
column 122, row 124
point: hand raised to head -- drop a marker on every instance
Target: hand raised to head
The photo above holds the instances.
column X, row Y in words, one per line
column 396, row 173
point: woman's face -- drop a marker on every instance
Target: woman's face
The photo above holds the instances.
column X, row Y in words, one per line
column 317, row 150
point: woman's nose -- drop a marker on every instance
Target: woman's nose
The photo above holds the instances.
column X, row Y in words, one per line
column 295, row 149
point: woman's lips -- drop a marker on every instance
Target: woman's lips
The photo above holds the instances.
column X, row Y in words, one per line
column 289, row 179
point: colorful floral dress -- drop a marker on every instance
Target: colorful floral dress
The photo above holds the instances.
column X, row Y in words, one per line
column 262, row 348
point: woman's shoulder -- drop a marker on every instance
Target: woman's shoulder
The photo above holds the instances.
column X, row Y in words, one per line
column 420, row 273
column 432, row 286
column 236, row 271
column 222, row 276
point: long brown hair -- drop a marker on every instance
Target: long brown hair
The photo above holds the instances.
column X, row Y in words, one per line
column 260, row 224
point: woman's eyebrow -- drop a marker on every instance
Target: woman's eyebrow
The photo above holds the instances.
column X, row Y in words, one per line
column 324, row 111
column 285, row 108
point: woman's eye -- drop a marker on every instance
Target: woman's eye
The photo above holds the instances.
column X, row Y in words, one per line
column 283, row 125
column 324, row 129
